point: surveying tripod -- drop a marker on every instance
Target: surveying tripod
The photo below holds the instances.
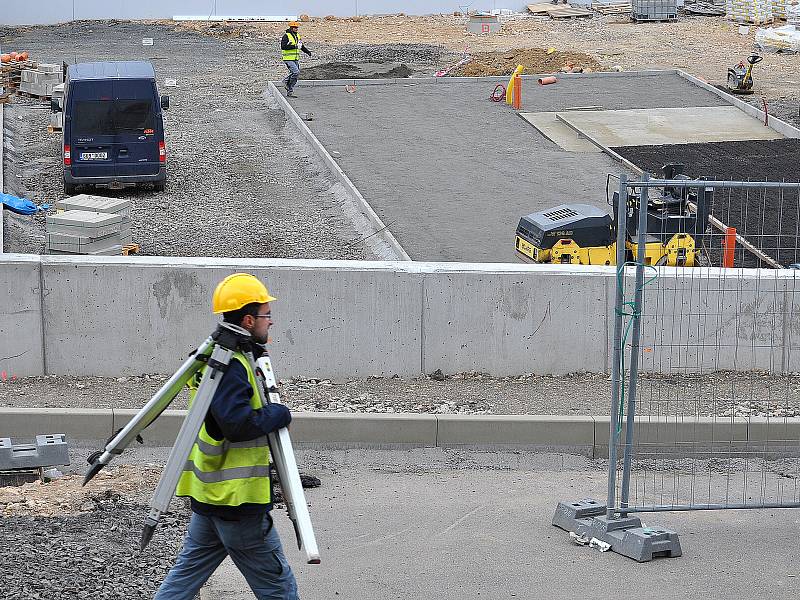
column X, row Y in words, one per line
column 215, row 353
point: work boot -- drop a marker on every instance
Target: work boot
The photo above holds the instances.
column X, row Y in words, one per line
column 291, row 94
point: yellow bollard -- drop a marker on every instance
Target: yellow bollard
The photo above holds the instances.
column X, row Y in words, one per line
column 510, row 88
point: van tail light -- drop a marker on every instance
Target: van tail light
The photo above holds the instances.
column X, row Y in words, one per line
column 162, row 152
column 67, row 156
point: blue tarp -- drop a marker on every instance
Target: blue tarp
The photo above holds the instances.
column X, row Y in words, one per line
column 21, row 206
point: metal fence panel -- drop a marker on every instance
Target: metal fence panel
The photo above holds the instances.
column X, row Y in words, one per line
column 706, row 411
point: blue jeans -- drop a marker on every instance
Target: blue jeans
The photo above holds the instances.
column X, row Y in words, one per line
column 294, row 74
column 253, row 545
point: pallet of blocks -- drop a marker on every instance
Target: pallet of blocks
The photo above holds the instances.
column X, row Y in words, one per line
column 86, row 224
column 758, row 12
column 612, row 8
column 41, row 81
column 11, row 70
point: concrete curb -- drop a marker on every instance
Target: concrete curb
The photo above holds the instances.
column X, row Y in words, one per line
column 452, row 80
column 586, row 435
column 380, row 227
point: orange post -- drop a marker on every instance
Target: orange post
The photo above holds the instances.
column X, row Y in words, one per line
column 728, row 247
column 516, row 96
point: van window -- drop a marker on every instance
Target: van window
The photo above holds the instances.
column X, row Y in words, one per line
column 107, row 117
column 133, row 115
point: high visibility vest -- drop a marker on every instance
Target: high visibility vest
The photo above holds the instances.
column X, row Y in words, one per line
column 292, row 54
column 225, row 473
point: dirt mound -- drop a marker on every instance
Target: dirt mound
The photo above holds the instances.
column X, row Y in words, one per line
column 535, row 61
column 66, row 496
column 343, row 70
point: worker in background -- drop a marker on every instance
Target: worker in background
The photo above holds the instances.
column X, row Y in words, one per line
column 291, row 45
column 227, row 475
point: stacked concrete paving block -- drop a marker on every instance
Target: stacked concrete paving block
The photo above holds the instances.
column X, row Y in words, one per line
column 89, row 225
column 758, row 12
column 42, row 80
column 57, row 117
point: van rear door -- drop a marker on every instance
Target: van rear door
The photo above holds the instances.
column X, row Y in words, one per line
column 137, row 127
column 92, row 129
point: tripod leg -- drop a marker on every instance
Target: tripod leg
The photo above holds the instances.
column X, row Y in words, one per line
column 150, row 411
column 187, row 435
column 285, row 463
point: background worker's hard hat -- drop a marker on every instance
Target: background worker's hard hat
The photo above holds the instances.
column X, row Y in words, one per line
column 294, row 24
column 237, row 290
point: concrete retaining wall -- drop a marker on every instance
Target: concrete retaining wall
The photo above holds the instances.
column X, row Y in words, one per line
column 130, row 315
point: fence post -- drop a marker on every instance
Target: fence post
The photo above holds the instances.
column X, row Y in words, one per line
column 516, row 102
column 636, row 328
column 729, row 246
column 616, row 354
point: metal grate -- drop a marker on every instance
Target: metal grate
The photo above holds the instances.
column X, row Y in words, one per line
column 558, row 215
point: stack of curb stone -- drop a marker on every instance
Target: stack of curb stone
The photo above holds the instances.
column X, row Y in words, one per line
column 87, row 224
column 42, row 80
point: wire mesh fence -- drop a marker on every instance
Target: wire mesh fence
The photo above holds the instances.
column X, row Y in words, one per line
column 706, row 378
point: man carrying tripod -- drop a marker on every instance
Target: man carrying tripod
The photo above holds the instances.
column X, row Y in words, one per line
column 227, row 475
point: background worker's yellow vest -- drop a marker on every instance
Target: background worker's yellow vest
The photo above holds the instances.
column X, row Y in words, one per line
column 227, row 473
column 292, row 54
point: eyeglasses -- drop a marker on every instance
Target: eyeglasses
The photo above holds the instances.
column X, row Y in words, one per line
column 266, row 316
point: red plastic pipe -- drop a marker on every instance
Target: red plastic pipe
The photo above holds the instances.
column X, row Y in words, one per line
column 547, row 80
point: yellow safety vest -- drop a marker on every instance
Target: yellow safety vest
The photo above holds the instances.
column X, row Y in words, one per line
column 292, row 54
column 225, row 473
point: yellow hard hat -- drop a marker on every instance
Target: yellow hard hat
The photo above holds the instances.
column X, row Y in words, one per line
column 294, row 24
column 237, row 290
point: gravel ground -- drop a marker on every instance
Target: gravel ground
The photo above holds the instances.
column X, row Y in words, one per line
column 94, row 554
column 722, row 394
column 241, row 182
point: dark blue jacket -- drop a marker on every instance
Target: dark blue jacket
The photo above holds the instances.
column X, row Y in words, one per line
column 231, row 417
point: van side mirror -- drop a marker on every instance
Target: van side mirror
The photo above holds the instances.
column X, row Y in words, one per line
column 54, row 105
column 165, row 102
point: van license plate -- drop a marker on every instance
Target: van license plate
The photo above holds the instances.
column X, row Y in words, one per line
column 94, row 155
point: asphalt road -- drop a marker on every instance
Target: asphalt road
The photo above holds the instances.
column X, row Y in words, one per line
column 455, row 525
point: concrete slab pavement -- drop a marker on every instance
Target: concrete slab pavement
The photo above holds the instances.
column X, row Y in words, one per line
column 558, row 132
column 455, row 525
column 656, row 126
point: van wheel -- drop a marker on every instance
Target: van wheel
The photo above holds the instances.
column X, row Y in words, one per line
column 159, row 186
column 70, row 188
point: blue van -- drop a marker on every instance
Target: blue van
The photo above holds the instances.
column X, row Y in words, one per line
column 113, row 126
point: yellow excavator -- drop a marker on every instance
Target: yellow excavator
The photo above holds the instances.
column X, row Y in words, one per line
column 586, row 235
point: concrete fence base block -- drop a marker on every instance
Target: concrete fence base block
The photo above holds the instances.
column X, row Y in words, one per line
column 625, row 535
column 47, row 451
